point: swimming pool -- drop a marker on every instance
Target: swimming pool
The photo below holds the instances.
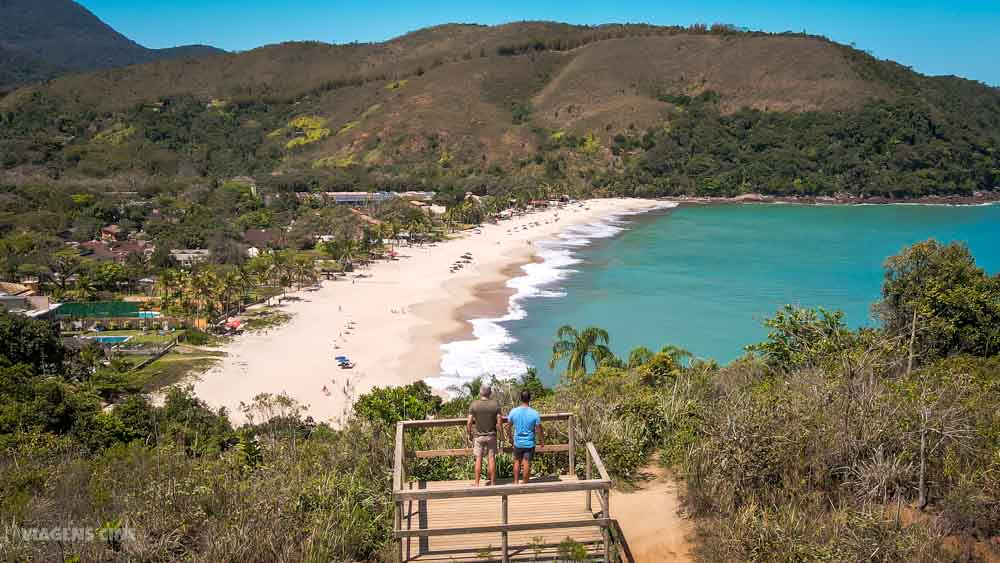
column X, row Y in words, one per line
column 110, row 339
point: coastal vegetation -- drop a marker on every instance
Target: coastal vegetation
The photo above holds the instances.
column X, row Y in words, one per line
column 193, row 259
column 822, row 442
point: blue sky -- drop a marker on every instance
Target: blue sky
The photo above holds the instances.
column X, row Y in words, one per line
column 934, row 37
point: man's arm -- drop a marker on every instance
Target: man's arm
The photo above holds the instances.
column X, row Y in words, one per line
column 499, row 427
column 468, row 427
column 539, row 438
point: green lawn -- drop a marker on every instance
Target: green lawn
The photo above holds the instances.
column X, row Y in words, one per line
column 174, row 367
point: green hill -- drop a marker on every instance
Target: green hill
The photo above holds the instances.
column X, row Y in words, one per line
column 626, row 109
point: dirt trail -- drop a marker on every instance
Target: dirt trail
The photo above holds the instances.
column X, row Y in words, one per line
column 650, row 518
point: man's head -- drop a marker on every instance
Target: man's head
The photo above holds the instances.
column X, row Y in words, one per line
column 485, row 390
column 526, row 396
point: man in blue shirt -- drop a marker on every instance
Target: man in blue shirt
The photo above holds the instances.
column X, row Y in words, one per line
column 525, row 426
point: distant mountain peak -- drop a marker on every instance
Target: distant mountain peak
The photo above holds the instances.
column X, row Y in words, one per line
column 41, row 39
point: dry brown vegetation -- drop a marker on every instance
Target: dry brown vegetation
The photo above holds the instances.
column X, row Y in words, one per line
column 601, row 76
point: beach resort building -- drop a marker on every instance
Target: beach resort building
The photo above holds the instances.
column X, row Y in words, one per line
column 22, row 300
column 364, row 198
column 190, row 256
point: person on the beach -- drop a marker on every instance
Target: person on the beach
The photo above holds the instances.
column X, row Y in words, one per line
column 484, row 414
column 525, row 426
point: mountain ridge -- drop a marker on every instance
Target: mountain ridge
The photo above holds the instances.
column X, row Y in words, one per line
column 54, row 37
column 623, row 108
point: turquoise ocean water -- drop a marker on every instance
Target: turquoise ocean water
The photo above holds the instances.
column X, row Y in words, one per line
column 703, row 277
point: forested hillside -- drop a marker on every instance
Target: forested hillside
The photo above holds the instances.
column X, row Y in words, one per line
column 40, row 39
column 614, row 109
column 821, row 443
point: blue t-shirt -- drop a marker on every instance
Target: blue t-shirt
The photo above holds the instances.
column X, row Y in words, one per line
column 524, row 420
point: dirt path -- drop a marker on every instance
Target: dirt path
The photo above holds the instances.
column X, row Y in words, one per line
column 650, row 518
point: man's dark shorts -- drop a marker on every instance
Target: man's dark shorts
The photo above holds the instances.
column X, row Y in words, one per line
column 524, row 453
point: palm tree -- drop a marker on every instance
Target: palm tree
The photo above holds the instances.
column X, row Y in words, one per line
column 282, row 271
column 469, row 389
column 232, row 285
column 259, row 272
column 394, row 229
column 677, row 354
column 578, row 347
column 246, row 280
column 304, row 269
column 417, row 230
column 348, row 248
column 170, row 286
column 204, row 289
column 639, row 356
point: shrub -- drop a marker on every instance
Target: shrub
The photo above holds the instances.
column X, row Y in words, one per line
column 195, row 337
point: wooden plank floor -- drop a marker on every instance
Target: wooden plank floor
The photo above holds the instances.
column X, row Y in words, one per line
column 530, row 545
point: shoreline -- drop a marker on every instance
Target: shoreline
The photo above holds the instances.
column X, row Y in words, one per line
column 481, row 349
column 450, row 318
column 400, row 319
column 393, row 322
column 978, row 198
column 490, row 298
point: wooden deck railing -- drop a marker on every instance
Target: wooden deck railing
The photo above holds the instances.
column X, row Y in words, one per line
column 600, row 485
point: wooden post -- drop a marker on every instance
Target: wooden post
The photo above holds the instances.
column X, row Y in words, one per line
column 587, row 475
column 409, row 525
column 572, row 447
column 397, row 484
column 398, row 522
column 605, row 496
column 503, row 534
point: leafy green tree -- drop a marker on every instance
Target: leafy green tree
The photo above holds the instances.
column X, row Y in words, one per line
column 935, row 296
column 389, row 405
column 659, row 370
column 31, row 342
column 61, row 266
column 532, row 383
column 799, row 337
column 249, row 451
column 189, row 422
column 162, row 258
column 21, row 249
column 108, row 276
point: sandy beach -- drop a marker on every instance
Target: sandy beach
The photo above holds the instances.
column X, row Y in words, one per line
column 391, row 323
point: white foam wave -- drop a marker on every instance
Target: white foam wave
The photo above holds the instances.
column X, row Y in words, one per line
column 487, row 353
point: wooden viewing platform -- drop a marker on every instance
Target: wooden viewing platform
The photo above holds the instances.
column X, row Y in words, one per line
column 456, row 521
